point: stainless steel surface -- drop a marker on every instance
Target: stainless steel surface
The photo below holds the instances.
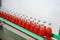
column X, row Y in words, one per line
column 7, row 35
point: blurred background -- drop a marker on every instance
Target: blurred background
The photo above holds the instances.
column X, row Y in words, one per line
column 43, row 10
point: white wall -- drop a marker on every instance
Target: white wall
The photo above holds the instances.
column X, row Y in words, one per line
column 45, row 10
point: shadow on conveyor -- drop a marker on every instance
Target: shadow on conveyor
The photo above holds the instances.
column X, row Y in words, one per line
column 7, row 35
column 1, row 31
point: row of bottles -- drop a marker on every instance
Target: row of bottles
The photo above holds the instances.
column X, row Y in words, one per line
column 44, row 31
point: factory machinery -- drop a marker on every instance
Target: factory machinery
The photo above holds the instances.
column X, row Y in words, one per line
column 32, row 30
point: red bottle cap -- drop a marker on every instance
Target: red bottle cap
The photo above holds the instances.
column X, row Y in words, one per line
column 1, row 14
column 19, row 23
column 48, row 38
column 5, row 15
column 16, row 20
column 32, row 26
column 36, row 30
column 44, row 28
column 41, row 32
column 48, row 33
column 28, row 24
column 23, row 23
column 10, row 17
column 13, row 19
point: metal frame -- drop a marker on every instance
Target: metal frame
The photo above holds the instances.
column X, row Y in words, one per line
column 28, row 32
